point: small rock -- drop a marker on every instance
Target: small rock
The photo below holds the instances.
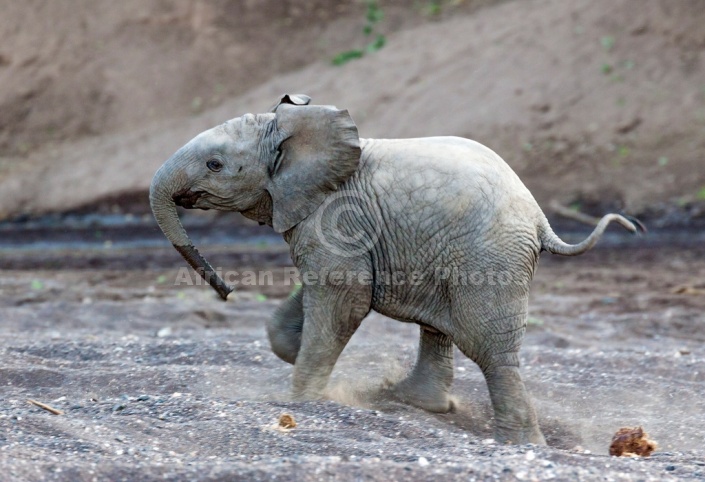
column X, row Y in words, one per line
column 143, row 398
column 164, row 332
column 119, row 406
column 423, row 461
column 530, row 455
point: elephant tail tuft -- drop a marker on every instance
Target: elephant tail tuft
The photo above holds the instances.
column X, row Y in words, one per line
column 553, row 244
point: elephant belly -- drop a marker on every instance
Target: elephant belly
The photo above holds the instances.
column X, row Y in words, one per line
column 405, row 297
column 412, row 287
column 448, row 268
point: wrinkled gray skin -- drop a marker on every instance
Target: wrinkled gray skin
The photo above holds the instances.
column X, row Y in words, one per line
column 440, row 206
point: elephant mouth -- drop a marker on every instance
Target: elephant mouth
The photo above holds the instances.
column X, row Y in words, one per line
column 187, row 198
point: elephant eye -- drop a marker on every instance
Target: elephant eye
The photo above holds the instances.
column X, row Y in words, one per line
column 214, row 165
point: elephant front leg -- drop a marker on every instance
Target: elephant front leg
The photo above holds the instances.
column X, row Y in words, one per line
column 332, row 315
column 428, row 384
column 285, row 327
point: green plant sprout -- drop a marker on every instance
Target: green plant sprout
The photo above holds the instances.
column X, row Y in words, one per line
column 373, row 16
column 607, row 42
column 701, row 194
column 433, row 8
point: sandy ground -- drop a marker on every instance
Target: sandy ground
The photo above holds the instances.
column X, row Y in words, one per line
column 164, row 382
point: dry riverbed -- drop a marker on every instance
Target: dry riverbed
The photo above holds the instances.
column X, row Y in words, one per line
column 156, row 381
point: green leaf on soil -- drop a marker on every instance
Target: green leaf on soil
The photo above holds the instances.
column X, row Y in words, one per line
column 37, row 285
column 374, row 13
column 345, row 57
column 607, row 42
column 433, row 8
column 377, row 44
column 260, row 297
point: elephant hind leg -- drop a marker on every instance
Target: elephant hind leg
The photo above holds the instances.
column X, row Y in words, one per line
column 493, row 343
column 427, row 386
column 285, row 327
column 515, row 416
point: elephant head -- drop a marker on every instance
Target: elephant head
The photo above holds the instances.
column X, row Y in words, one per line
column 276, row 168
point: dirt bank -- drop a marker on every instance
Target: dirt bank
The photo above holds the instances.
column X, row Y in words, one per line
column 597, row 102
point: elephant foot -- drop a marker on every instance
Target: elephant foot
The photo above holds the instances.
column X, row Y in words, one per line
column 427, row 386
column 515, row 417
column 428, row 398
column 308, row 396
column 519, row 437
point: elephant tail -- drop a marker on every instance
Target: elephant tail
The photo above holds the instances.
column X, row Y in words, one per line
column 553, row 244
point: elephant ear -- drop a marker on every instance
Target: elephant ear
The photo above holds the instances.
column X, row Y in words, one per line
column 293, row 99
column 318, row 150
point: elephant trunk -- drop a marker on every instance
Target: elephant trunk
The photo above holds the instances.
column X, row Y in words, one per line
column 168, row 181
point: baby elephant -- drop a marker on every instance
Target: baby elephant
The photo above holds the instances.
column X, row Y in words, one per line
column 435, row 231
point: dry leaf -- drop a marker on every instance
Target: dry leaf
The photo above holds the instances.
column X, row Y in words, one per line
column 632, row 442
column 688, row 290
column 287, row 421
